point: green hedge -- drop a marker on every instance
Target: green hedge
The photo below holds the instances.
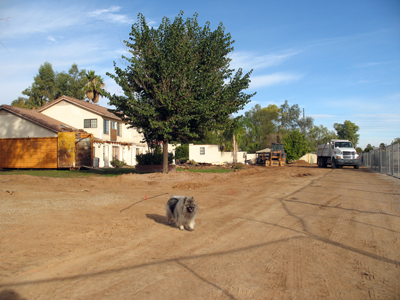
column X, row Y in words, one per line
column 152, row 158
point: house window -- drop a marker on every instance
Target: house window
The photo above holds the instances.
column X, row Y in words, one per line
column 106, row 127
column 90, row 123
column 119, row 129
column 202, row 150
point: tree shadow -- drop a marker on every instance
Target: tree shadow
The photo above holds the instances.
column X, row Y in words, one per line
column 9, row 294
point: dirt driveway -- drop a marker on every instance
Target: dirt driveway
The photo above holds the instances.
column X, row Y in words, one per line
column 297, row 232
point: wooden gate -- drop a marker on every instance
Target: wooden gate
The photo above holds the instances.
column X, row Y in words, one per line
column 75, row 150
column 83, row 150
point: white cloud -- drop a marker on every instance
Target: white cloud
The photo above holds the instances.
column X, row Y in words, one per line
column 52, row 39
column 33, row 20
column 110, row 15
column 249, row 60
column 273, row 79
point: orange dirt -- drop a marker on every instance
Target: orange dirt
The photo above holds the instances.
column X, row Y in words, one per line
column 294, row 232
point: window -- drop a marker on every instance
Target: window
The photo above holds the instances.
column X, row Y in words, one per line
column 90, row 123
column 202, row 150
column 119, row 129
column 106, row 127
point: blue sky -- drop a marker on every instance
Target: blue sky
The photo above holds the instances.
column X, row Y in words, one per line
column 339, row 60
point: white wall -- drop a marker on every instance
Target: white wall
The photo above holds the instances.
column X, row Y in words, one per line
column 74, row 116
column 12, row 126
column 213, row 155
column 310, row 158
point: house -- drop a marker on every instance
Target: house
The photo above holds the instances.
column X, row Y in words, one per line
column 112, row 137
column 29, row 139
column 212, row 154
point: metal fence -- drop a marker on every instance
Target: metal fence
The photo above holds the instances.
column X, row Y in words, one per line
column 384, row 160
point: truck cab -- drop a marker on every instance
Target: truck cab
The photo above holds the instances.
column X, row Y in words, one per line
column 338, row 153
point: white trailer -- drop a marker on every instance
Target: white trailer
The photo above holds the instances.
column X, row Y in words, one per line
column 337, row 153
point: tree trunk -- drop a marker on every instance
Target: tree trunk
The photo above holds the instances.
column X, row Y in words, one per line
column 235, row 149
column 165, row 156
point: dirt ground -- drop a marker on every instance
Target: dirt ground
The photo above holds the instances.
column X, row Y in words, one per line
column 294, row 232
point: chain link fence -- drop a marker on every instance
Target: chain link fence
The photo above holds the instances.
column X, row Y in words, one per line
column 384, row 160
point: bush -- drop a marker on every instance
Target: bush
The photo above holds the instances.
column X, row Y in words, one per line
column 182, row 152
column 295, row 145
column 117, row 163
column 152, row 158
column 183, row 160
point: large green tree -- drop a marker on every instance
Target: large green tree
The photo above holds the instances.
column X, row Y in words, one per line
column 43, row 87
column 71, row 83
column 265, row 124
column 49, row 85
column 347, row 130
column 289, row 116
column 177, row 84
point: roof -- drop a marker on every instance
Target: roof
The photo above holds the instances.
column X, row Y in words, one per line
column 39, row 119
column 97, row 109
column 266, row 150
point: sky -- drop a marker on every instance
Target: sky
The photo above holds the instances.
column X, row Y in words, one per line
column 337, row 60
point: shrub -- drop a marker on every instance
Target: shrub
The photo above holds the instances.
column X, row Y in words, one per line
column 182, row 152
column 152, row 158
column 295, row 145
column 117, row 163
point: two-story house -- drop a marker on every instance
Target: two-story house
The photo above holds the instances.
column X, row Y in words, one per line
column 112, row 137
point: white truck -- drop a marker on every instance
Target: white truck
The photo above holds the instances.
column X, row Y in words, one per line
column 337, row 153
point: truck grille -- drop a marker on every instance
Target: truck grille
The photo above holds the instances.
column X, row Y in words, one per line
column 349, row 154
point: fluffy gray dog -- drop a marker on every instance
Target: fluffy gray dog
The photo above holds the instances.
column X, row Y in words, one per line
column 182, row 210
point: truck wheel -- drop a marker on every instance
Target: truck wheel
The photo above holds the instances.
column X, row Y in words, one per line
column 356, row 167
column 333, row 164
column 323, row 162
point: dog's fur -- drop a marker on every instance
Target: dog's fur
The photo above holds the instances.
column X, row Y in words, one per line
column 182, row 210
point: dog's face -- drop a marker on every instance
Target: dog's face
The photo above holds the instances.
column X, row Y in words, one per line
column 190, row 205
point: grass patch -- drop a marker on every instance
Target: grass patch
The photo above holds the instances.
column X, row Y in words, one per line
column 205, row 170
column 108, row 172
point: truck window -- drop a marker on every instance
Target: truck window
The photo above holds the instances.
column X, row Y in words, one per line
column 343, row 145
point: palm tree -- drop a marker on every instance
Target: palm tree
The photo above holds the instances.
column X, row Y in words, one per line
column 94, row 88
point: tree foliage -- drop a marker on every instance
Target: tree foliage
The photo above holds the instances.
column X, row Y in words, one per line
column 49, row 85
column 182, row 151
column 347, row 130
column 295, row 145
column 23, row 103
column 71, row 83
column 289, row 116
column 319, row 135
column 43, row 87
column 368, row 148
column 264, row 123
column 177, row 84
column 94, row 87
